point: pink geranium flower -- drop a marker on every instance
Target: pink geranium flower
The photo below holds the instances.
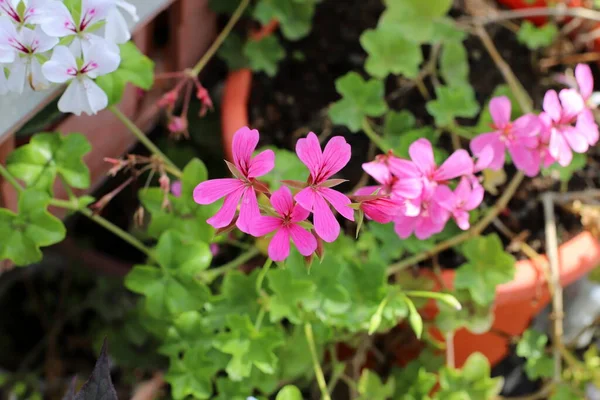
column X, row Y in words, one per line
column 318, row 195
column 246, row 169
column 518, row 137
column 285, row 226
column 429, row 219
column 376, row 206
column 467, row 196
column 396, row 177
column 562, row 110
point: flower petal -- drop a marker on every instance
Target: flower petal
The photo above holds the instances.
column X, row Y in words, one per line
column 309, row 152
column 559, row 149
column 576, row 139
column 264, row 225
column 526, row 160
column 458, row 164
column 244, row 143
column 326, row 225
column 282, row 201
column 262, row 164
column 225, row 215
column 572, row 103
column 421, row 154
column 339, row 201
column 62, row 67
column 462, row 219
column 208, row 192
column 249, row 211
column 552, row 105
column 586, row 124
column 299, row 213
column 305, row 241
column 490, row 141
column 585, row 80
column 336, row 155
column 379, row 171
column 306, row 198
column 445, row 197
column 500, row 110
column 279, row 248
column 403, row 168
column 404, row 226
column 409, row 188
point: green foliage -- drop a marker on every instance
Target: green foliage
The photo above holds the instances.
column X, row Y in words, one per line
column 564, row 391
column 416, row 19
column 360, row 99
column 191, row 374
column 532, row 347
column 135, row 68
column 454, row 64
column 263, row 55
column 564, row 174
column 472, row 316
column 416, row 380
column 295, row 17
column 536, row 38
column 173, row 287
column 487, row 266
column 287, row 166
column 288, row 295
column 289, row 392
column 452, row 102
column 232, row 51
column 31, row 228
column 472, row 382
column 48, row 155
column 370, row 386
column 390, row 53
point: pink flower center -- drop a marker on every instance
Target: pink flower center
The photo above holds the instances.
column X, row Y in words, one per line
column 10, row 11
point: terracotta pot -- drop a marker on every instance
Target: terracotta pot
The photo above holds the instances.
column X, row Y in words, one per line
column 521, row 4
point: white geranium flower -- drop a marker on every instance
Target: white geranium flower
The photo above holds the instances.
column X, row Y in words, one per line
column 83, row 95
column 116, row 29
column 7, row 50
column 3, row 81
column 34, row 12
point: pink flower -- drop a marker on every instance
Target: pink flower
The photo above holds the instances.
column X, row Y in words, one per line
column 176, row 188
column 429, row 219
column 564, row 137
column 377, row 207
column 318, row 195
column 518, row 137
column 585, row 82
column 396, row 176
column 246, row 169
column 286, row 227
column 467, row 196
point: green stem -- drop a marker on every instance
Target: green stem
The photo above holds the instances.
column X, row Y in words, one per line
column 212, row 274
column 221, row 38
column 308, row 331
column 259, row 318
column 10, row 179
column 141, row 136
column 263, row 274
column 374, row 137
column 106, row 224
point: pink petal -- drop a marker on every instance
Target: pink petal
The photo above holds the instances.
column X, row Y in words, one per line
column 225, row 215
column 552, row 106
column 339, row 201
column 381, row 210
column 526, row 160
column 500, row 110
column 249, row 211
column 176, row 188
column 476, row 196
column 262, row 164
column 299, row 213
column 335, row 156
column 306, row 198
column 490, row 141
column 244, row 143
column 576, row 139
column 484, row 159
column 527, row 125
column 212, row 190
column 379, row 171
column 585, row 80
column 412, row 207
column 409, row 188
column 421, row 154
column 279, row 248
column 426, row 227
column 326, row 225
column 369, row 190
column 403, row 168
column 559, row 149
column 309, row 152
column 305, row 241
column 458, row 164
column 462, row 219
column 282, row 201
column 445, row 197
column 404, row 226
column 586, row 124
column 264, row 225
column 438, row 214
column 572, row 103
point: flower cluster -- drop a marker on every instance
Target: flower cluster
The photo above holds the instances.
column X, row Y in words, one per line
column 44, row 42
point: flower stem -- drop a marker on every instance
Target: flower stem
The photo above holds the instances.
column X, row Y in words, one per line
column 141, row 136
column 308, row 331
column 263, row 274
column 237, row 14
column 374, row 137
column 212, row 274
column 10, row 179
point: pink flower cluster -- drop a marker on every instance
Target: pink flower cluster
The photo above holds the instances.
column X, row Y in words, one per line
column 566, row 125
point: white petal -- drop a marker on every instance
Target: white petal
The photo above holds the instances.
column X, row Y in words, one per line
column 62, row 67
column 102, row 60
column 36, row 78
column 41, row 42
column 18, row 73
column 97, row 99
column 3, row 81
column 116, row 29
column 129, row 8
column 93, row 11
column 59, row 21
column 74, row 99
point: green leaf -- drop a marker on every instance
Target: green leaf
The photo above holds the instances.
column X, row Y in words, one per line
column 454, row 64
column 564, row 174
column 360, row 99
column 232, row 51
column 193, row 173
column 264, row 54
column 33, row 227
column 289, row 392
column 187, row 331
column 390, row 53
column 288, row 295
column 173, row 288
column 49, row 154
column 472, row 382
column 414, row 381
column 472, row 316
column 536, row 38
column 452, row 102
column 287, row 166
column 488, row 265
column 192, row 375
column 295, row 17
column 416, row 19
column 565, row 392
column 370, row 386
column 248, row 347
column 135, row 68
column 532, row 347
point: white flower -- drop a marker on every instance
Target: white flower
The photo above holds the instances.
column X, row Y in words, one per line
column 3, row 81
column 28, row 45
column 83, row 95
column 34, row 11
column 116, row 29
column 7, row 51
